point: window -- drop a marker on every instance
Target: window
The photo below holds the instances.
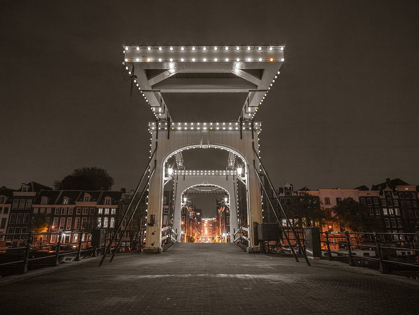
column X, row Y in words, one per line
column 77, row 224
column 390, row 203
column 415, row 204
column 25, row 188
column 6, row 210
column 100, row 211
column 385, row 212
column 55, row 223
column 28, row 204
column 86, row 197
column 371, row 210
column 21, row 204
column 49, row 210
column 84, row 223
column 3, row 223
column 376, row 201
column 401, row 195
column 68, row 225
column 57, row 211
column 66, row 200
column 15, row 203
column 397, row 211
column 10, row 230
column 105, row 222
column 362, row 200
column 112, row 224
column 417, row 213
column 393, row 222
column 78, row 211
column 390, row 211
column 63, row 211
column 44, row 200
column 92, row 211
column 106, row 211
column 369, row 201
column 282, row 201
column 413, row 195
column 387, row 222
column 62, row 223
column 3, row 199
column 377, row 211
column 113, row 211
column 411, row 213
column 19, row 218
column 70, row 211
column 85, row 211
column 99, row 222
column 383, row 202
column 327, row 201
column 35, row 210
column 26, row 218
column 108, row 201
column 399, row 222
column 42, row 210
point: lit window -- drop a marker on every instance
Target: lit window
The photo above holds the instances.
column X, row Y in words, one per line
column 86, row 197
column 105, row 222
column 65, row 201
column 100, row 211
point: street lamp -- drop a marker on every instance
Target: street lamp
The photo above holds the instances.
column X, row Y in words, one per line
column 239, row 171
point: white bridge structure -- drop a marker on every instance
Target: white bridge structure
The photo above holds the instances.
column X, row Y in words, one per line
column 156, row 70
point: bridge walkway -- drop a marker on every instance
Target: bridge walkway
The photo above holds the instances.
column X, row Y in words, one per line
column 210, row 279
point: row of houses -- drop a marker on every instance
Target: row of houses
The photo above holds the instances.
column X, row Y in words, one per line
column 394, row 203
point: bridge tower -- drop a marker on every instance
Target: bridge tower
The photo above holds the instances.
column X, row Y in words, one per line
column 156, row 70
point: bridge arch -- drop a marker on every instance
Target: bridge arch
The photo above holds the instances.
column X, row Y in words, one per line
column 168, row 140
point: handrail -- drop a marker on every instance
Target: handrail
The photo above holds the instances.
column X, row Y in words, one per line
column 245, row 229
column 174, row 232
column 279, row 203
column 165, row 228
column 132, row 216
column 238, row 231
column 128, row 208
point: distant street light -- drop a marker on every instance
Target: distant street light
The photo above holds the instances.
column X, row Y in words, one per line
column 225, row 199
column 184, row 199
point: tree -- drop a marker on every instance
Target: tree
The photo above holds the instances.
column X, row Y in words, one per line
column 306, row 209
column 354, row 216
column 39, row 223
column 86, row 178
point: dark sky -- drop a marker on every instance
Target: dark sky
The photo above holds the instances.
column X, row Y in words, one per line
column 344, row 111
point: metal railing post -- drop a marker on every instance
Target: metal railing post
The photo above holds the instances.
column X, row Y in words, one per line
column 348, row 243
column 329, row 252
column 79, row 251
column 27, row 251
column 381, row 266
column 57, row 250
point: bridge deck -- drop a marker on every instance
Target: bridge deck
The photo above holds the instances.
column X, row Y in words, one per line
column 210, row 279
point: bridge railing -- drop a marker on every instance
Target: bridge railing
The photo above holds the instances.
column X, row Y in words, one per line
column 241, row 236
column 51, row 250
column 378, row 248
column 168, row 237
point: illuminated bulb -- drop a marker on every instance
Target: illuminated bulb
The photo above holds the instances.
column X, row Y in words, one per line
column 171, row 48
column 126, row 59
column 205, row 48
column 272, row 59
column 138, row 59
column 238, row 59
column 205, row 59
column 215, row 59
column 226, row 48
column 160, row 59
column 138, row 48
column 249, row 59
column 171, row 59
column 270, row 48
column 260, row 48
column 126, row 48
column 282, row 59
column 193, row 59
column 149, row 48
column 215, row 48
column 260, row 59
column 148, row 59
column 183, row 48
column 126, row 68
column 226, row 59
column 159, row 48
column 193, row 48
column 282, row 48
column 248, row 48
column 181, row 59
column 237, row 48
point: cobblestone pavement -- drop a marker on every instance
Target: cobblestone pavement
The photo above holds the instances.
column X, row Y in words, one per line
column 210, row 279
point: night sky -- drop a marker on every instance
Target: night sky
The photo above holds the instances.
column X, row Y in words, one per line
column 344, row 111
